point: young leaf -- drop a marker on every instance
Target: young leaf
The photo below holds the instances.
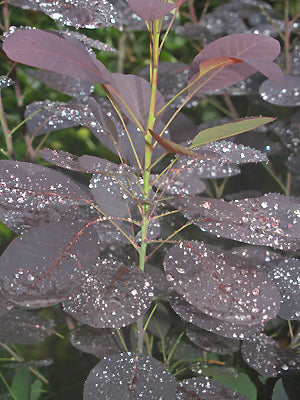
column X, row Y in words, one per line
column 133, row 97
column 112, row 296
column 172, row 147
column 221, row 285
column 129, row 376
column 256, row 51
column 52, row 52
column 230, row 129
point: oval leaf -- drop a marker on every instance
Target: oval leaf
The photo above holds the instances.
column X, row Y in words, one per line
column 50, row 51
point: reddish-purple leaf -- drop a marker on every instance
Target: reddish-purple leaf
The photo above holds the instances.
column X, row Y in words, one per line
column 268, row 358
column 24, row 327
column 5, row 305
column 214, row 325
column 113, row 296
column 203, row 388
column 220, row 284
column 105, row 121
column 257, row 51
column 61, row 159
column 129, row 376
column 30, row 186
column 285, row 93
column 150, row 10
column 52, row 52
column 132, row 94
column 99, row 342
column 212, row 342
column 48, row 263
column 96, row 165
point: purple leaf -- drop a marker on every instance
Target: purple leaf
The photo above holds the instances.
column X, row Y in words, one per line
column 150, row 10
column 30, row 186
column 98, row 165
column 204, row 388
column 268, row 358
column 105, row 121
column 132, row 94
column 271, row 220
column 220, row 284
column 214, row 325
column 74, row 87
column 258, row 51
column 50, row 51
column 5, row 305
column 113, row 296
column 99, row 342
column 24, row 327
column 212, row 342
column 286, row 278
column 47, row 264
column 130, row 376
column 61, row 159
column 285, row 93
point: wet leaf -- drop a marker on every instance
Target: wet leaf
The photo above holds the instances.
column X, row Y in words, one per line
column 220, row 284
column 98, row 165
column 24, row 327
column 202, row 387
column 131, row 375
column 29, row 186
column 113, row 296
column 257, row 52
column 48, row 263
column 223, row 328
column 99, row 342
column 74, row 87
column 212, row 342
column 5, row 81
column 49, row 51
column 105, row 121
column 270, row 220
column 268, row 358
column 161, row 285
column 230, row 129
column 285, row 93
column 5, row 305
column 286, row 278
column 132, row 94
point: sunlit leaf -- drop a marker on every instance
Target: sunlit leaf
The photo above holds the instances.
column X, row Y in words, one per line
column 230, row 129
column 150, row 10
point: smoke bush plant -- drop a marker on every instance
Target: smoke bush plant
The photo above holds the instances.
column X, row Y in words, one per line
column 98, row 249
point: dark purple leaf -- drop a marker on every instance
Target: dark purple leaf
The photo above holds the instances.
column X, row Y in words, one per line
column 212, row 342
column 204, row 388
column 49, row 51
column 98, row 165
column 61, row 159
column 133, row 93
column 5, row 81
column 113, row 296
column 48, row 263
column 29, row 186
column 131, row 376
column 26, row 4
column 99, row 342
column 5, row 305
column 88, row 42
column 24, row 327
column 220, row 284
column 74, row 87
column 257, row 52
column 285, row 93
column 214, row 325
column 150, row 10
column 262, row 256
column 286, row 278
column 293, row 163
column 105, row 121
column 272, row 220
column 161, row 285
column 268, row 358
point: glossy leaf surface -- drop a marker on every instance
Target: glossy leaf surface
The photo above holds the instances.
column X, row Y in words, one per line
column 221, row 285
column 49, row 51
column 113, row 296
column 131, row 375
